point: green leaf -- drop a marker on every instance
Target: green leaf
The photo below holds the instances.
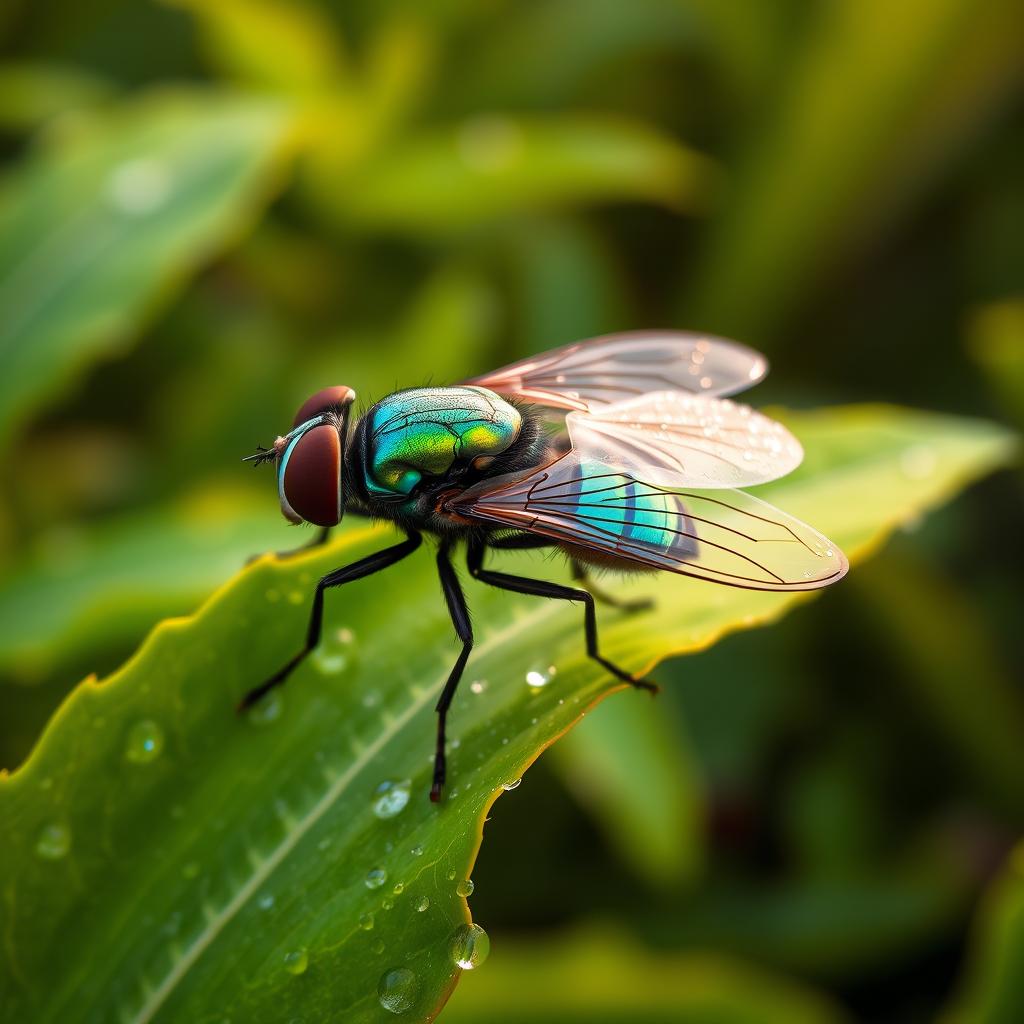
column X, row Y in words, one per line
column 992, row 990
column 875, row 101
column 493, row 167
column 290, row 46
column 98, row 225
column 105, row 584
column 597, row 976
column 31, row 92
column 167, row 860
column 626, row 764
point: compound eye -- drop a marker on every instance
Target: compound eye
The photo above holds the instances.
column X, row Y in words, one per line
column 311, row 484
column 324, row 400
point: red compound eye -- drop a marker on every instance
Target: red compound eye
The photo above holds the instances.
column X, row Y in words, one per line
column 326, row 398
column 312, row 476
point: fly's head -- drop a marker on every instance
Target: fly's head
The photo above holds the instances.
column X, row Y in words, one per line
column 310, row 459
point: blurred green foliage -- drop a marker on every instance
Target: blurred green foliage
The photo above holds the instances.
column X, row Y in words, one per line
column 209, row 210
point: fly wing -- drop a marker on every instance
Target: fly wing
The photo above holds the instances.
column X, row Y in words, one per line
column 681, row 440
column 590, row 375
column 593, row 499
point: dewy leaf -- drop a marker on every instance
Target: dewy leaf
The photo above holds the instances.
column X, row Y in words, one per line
column 166, row 860
column 596, row 974
column 97, row 224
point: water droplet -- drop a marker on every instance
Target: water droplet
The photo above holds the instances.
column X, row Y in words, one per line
column 423, row 904
column 296, row 961
column 386, row 904
column 465, row 887
column 267, row 709
column 469, row 946
column 390, row 798
column 514, row 784
column 54, row 841
column 538, row 677
column 336, row 653
column 144, row 742
column 296, row 597
column 377, row 946
column 190, row 870
column 375, row 878
column 451, row 875
column 478, row 685
column 139, row 186
column 266, row 901
column 417, row 851
column 366, row 922
column 399, row 888
column 397, row 989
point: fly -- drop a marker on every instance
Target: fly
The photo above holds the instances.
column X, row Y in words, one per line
column 623, row 451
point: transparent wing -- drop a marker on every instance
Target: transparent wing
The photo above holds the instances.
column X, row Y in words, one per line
column 680, row 440
column 589, row 375
column 724, row 536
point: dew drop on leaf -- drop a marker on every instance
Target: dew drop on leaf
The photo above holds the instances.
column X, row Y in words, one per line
column 375, row 878
column 390, row 798
column 478, row 686
column 469, row 946
column 538, row 677
column 54, row 841
column 336, row 653
column 267, row 709
column 144, row 742
column 423, row 904
column 296, row 961
column 465, row 887
column 417, row 851
column 265, row 902
column 508, row 786
column 377, row 946
column 399, row 888
column 398, row 989
column 366, row 922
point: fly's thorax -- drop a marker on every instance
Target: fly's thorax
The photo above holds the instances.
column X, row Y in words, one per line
column 432, row 436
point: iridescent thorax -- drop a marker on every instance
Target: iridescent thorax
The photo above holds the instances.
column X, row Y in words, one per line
column 430, row 431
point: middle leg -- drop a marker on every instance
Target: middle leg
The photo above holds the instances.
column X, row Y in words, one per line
column 545, row 588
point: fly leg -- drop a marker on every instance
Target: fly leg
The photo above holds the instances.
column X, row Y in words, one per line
column 457, row 609
column 545, row 588
column 581, row 576
column 318, row 540
column 357, row 570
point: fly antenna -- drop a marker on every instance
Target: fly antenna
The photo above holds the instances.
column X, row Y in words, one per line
column 262, row 455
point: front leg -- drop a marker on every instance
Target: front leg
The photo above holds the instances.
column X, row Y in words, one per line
column 357, row 570
column 457, row 609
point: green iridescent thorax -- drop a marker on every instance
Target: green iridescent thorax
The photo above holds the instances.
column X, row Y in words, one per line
column 428, row 431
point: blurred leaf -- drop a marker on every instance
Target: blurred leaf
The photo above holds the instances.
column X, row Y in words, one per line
column 91, row 587
column 101, row 223
column 597, row 976
column 31, row 93
column 992, row 991
column 829, row 927
column 164, row 859
column 629, row 766
column 996, row 338
column 940, row 643
column 493, row 166
column 288, row 46
column 877, row 98
column 568, row 284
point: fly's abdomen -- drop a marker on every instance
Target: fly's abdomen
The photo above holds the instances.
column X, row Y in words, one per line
column 640, row 517
column 428, row 432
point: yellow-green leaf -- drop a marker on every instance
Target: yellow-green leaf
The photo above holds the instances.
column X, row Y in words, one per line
column 166, row 860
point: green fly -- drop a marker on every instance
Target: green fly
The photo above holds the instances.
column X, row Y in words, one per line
column 622, row 451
